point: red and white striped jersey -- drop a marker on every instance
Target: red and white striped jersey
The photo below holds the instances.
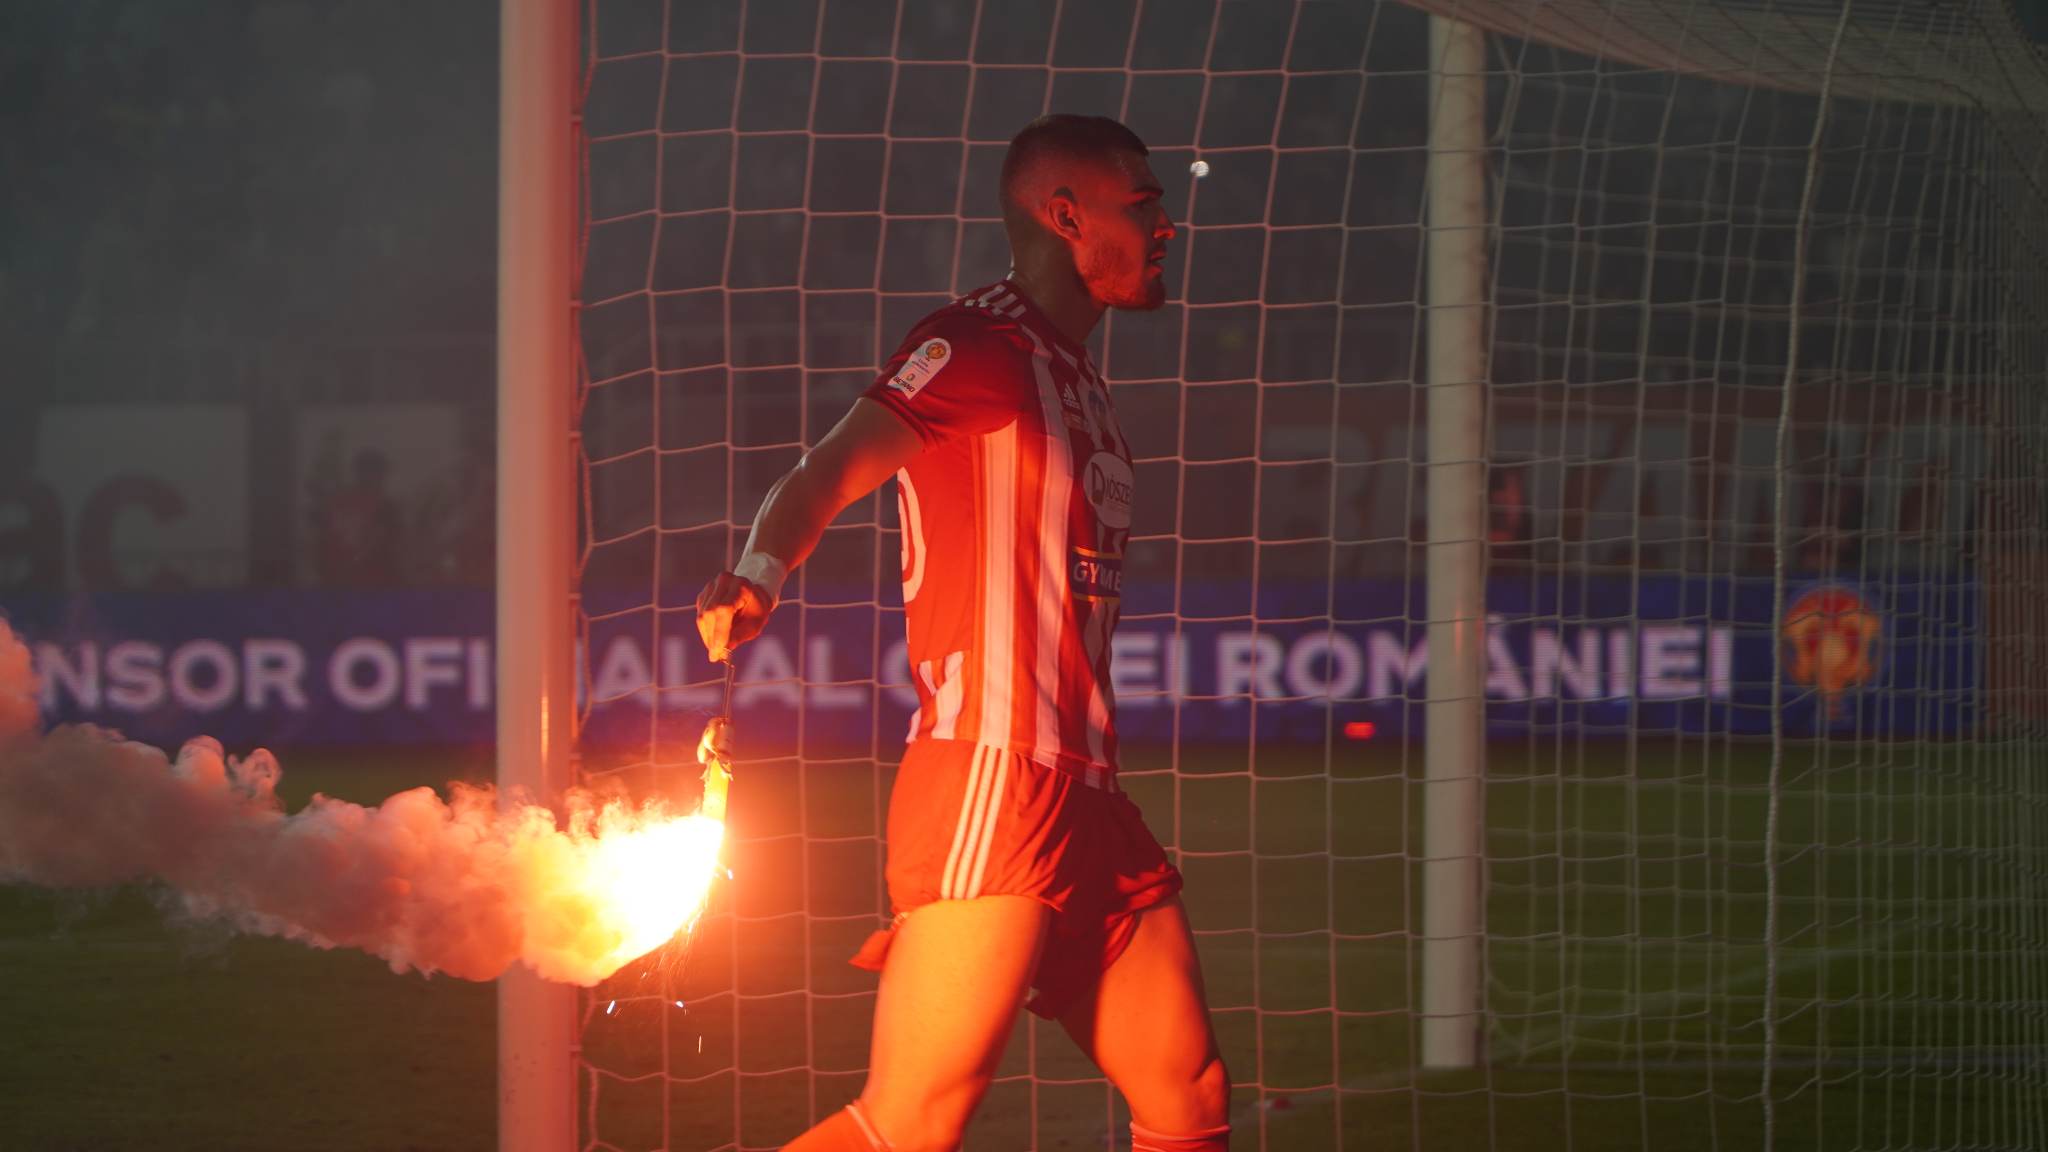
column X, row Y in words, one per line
column 1014, row 522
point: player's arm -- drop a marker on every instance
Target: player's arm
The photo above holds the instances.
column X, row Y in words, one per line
column 865, row 448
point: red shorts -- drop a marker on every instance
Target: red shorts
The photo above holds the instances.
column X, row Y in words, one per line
column 967, row 821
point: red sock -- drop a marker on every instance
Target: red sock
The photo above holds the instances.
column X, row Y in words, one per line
column 1146, row 1140
column 846, row 1130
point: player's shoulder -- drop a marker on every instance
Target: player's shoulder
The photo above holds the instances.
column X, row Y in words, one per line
column 987, row 322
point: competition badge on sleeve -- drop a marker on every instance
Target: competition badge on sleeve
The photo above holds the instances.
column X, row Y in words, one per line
column 924, row 365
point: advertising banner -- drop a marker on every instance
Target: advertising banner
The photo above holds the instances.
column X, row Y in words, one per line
column 1205, row 664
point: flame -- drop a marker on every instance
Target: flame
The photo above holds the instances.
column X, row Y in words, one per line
column 648, row 883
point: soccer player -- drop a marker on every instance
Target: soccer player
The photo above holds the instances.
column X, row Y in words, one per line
column 1015, row 862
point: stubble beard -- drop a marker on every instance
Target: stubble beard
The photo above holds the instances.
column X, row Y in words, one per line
column 1122, row 283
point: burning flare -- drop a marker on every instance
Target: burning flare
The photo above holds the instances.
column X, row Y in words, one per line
column 468, row 887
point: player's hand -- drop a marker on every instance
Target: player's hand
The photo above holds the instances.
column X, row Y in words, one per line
column 731, row 610
column 716, row 743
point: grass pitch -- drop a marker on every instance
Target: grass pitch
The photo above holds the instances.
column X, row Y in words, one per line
column 130, row 1029
column 1628, row 981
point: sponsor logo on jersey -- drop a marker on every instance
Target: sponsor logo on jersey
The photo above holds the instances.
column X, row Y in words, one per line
column 1093, row 575
column 924, row 365
column 1108, row 483
column 1833, row 639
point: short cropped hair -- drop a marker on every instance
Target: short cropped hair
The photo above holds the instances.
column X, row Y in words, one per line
column 1064, row 136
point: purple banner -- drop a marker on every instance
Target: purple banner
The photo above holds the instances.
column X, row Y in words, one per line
column 1208, row 665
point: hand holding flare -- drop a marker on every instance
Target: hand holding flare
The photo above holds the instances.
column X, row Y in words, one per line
column 714, row 751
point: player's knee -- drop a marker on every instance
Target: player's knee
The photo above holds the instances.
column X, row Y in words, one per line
column 1199, row 1123
column 1191, row 1098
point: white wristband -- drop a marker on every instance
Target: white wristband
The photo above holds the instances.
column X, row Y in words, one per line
column 765, row 571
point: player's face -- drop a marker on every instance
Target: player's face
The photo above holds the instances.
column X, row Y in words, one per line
column 1120, row 252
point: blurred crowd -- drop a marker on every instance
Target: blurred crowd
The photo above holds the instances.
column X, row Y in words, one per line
column 361, row 533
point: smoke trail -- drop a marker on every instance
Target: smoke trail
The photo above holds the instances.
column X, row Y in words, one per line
column 461, row 887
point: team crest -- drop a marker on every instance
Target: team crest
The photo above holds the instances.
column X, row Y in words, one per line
column 1832, row 638
column 924, row 364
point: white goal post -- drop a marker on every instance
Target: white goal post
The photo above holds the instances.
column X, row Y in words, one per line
column 1455, row 243
column 536, row 523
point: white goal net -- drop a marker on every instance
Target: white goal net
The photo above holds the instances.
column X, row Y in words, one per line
column 1765, row 680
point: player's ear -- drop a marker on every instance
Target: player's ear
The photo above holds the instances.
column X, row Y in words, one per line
column 1063, row 214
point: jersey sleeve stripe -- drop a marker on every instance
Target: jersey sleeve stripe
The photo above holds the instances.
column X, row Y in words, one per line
column 1007, row 306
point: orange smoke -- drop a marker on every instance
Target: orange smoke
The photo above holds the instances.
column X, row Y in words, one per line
column 468, row 887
